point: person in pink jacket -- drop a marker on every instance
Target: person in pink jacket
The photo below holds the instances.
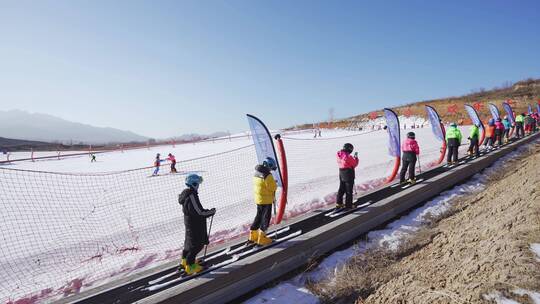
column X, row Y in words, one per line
column 347, row 163
column 499, row 131
column 172, row 159
column 410, row 150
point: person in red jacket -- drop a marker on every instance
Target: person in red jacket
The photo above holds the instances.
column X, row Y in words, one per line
column 347, row 163
column 410, row 150
column 172, row 159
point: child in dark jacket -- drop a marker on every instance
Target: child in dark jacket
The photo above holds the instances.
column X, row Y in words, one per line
column 410, row 150
column 195, row 216
column 347, row 163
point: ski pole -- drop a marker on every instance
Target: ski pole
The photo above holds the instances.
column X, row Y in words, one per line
column 419, row 166
column 209, row 230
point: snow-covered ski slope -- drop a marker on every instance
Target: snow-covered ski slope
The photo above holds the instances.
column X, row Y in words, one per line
column 71, row 224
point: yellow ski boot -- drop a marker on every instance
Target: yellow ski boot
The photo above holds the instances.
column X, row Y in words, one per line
column 263, row 239
column 193, row 269
column 253, row 236
column 183, row 264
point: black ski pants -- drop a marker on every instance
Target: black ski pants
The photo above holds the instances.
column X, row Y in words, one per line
column 192, row 253
column 345, row 188
column 452, row 155
column 519, row 130
column 262, row 219
column 473, row 147
column 409, row 164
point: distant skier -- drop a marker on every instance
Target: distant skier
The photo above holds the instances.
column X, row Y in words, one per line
column 499, row 131
column 519, row 125
column 474, row 137
column 528, row 122
column 490, row 134
column 93, row 158
column 264, row 191
column 410, row 150
column 346, row 163
column 196, row 235
column 157, row 164
column 507, row 127
column 172, row 159
column 453, row 141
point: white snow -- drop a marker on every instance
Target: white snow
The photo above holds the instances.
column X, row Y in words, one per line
column 535, row 247
column 70, row 230
column 389, row 237
column 500, row 299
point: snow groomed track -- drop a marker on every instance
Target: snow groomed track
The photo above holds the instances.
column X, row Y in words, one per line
column 237, row 269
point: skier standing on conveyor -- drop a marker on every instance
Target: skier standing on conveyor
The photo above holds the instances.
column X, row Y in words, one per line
column 410, row 150
column 474, row 137
column 490, row 134
column 519, row 125
column 507, row 127
column 264, row 191
column 499, row 131
column 347, row 163
column 195, row 216
column 453, row 141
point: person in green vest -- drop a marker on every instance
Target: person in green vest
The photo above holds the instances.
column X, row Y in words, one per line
column 474, row 137
column 453, row 141
column 520, row 118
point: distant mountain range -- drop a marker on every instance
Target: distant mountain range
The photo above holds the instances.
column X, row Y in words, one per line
column 47, row 128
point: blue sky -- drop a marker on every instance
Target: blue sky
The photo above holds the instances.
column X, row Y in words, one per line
column 163, row 68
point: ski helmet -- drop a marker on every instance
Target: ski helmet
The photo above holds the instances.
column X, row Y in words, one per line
column 453, row 124
column 194, row 180
column 348, row 147
column 498, row 119
column 270, row 163
column 491, row 122
column 411, row 135
column 157, row 155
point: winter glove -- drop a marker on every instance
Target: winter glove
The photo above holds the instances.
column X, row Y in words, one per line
column 355, row 154
column 213, row 210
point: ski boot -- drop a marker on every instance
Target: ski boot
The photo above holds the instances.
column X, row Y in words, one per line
column 339, row 206
column 263, row 239
column 411, row 181
column 402, row 182
column 183, row 264
column 194, row 268
column 253, row 236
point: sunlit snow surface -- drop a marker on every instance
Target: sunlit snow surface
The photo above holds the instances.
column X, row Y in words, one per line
column 64, row 233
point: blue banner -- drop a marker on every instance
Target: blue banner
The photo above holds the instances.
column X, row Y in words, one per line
column 392, row 123
column 494, row 111
column 264, row 145
column 474, row 116
column 530, row 109
column 435, row 121
column 538, row 108
column 509, row 113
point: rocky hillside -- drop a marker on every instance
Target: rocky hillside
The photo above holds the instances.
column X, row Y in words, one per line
column 520, row 95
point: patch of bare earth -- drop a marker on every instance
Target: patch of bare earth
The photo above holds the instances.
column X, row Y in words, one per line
column 480, row 246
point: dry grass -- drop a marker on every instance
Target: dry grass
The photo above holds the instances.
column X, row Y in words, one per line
column 363, row 274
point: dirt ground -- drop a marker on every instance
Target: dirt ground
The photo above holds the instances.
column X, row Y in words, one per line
column 481, row 246
column 481, row 249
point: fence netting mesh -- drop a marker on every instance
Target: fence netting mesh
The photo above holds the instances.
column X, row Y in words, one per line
column 64, row 232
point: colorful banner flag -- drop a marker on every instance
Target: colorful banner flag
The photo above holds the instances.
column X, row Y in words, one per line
column 494, row 111
column 435, row 121
column 392, row 123
column 474, row 116
column 264, row 145
column 509, row 113
column 530, row 109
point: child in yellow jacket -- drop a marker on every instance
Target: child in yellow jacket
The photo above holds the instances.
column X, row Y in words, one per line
column 264, row 190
